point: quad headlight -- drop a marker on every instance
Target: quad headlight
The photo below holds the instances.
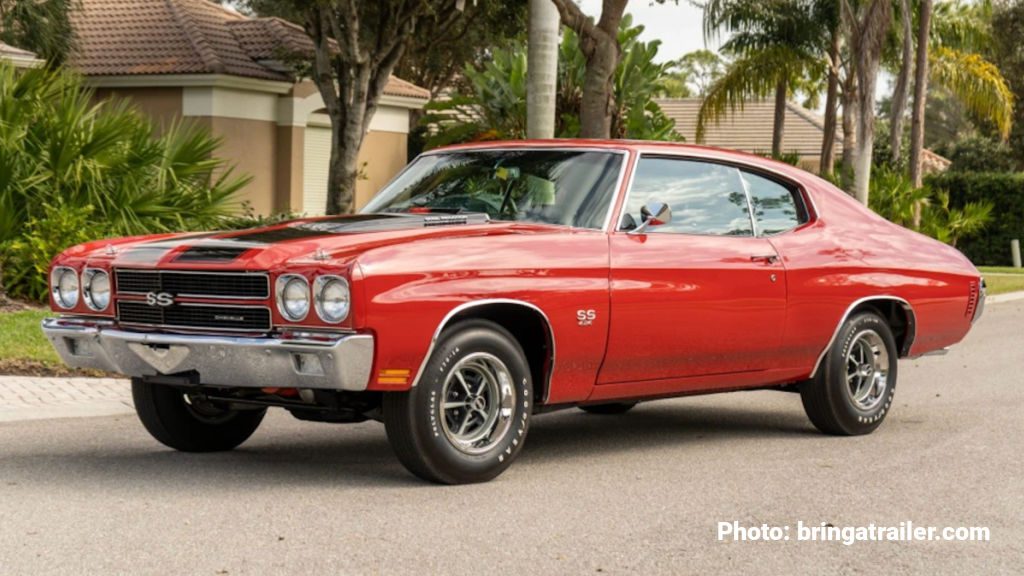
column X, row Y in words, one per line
column 96, row 289
column 293, row 297
column 64, row 287
column 332, row 298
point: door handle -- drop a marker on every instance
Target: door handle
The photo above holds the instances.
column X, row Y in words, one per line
column 766, row 258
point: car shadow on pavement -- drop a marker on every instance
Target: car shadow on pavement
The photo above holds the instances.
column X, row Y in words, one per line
column 310, row 455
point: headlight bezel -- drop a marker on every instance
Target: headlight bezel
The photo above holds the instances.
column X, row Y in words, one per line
column 56, row 276
column 320, row 285
column 89, row 276
column 281, row 287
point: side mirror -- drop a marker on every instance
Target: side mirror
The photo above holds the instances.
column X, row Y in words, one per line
column 653, row 214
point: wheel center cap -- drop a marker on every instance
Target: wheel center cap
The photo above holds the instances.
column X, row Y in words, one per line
column 867, row 370
column 478, row 403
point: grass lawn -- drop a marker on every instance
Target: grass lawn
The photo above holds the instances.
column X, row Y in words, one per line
column 1003, row 279
column 23, row 349
column 1000, row 270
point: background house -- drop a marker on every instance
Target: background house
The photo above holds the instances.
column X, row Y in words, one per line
column 195, row 60
column 750, row 129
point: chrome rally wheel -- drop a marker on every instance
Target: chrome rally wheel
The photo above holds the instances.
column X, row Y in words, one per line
column 852, row 391
column 478, row 403
column 466, row 419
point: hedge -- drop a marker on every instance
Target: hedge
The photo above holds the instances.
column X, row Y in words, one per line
column 1006, row 191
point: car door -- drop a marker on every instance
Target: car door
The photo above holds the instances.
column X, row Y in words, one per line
column 700, row 295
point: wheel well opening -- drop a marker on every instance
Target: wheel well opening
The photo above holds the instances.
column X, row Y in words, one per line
column 530, row 329
column 900, row 318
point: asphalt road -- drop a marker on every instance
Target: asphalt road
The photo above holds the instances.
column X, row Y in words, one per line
column 640, row 493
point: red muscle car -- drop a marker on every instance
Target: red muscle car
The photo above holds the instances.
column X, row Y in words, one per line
column 489, row 283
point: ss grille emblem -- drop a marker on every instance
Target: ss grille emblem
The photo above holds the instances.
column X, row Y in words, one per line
column 162, row 299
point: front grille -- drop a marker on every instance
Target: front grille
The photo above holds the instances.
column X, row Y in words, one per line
column 196, row 316
column 240, row 285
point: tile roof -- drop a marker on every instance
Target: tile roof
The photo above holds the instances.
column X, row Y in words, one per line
column 750, row 128
column 148, row 37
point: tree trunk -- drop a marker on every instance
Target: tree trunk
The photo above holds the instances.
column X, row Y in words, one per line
column 902, row 89
column 869, row 38
column 849, row 133
column 600, row 46
column 542, row 70
column 920, row 100
column 779, row 128
column 828, row 139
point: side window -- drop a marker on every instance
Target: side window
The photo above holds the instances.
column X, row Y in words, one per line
column 705, row 198
column 775, row 206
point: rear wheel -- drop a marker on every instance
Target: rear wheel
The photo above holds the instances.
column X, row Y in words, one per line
column 190, row 423
column 609, row 409
column 467, row 418
column 854, row 387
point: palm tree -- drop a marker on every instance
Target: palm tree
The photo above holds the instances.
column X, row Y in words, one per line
column 542, row 72
column 775, row 43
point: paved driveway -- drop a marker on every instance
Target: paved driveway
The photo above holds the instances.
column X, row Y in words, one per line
column 640, row 493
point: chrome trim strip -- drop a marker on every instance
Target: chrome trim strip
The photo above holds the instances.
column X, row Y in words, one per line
column 476, row 304
column 911, row 329
column 339, row 363
column 979, row 306
column 265, row 275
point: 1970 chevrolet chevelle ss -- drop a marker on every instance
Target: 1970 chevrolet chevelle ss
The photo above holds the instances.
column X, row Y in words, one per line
column 489, row 283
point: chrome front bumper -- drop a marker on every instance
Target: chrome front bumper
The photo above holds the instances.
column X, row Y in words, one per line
column 331, row 362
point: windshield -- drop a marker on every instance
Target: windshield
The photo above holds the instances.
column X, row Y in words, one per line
column 566, row 187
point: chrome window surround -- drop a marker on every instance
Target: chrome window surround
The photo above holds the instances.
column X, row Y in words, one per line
column 279, row 286
column 86, row 287
column 616, row 193
column 318, row 285
column 692, row 155
column 55, row 275
column 476, row 304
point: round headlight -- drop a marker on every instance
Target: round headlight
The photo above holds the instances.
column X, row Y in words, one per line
column 293, row 297
column 64, row 286
column 96, row 289
column 332, row 298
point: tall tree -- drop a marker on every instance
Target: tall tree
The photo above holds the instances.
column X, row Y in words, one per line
column 600, row 46
column 41, row 26
column 924, row 20
column 702, row 68
column 901, row 92
column 775, row 44
column 357, row 45
column 868, row 23
column 542, row 72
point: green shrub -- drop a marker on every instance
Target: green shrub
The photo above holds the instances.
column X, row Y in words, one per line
column 1005, row 191
column 64, row 157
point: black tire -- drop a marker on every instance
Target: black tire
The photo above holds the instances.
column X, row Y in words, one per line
column 833, row 402
column 611, row 409
column 176, row 424
column 421, row 431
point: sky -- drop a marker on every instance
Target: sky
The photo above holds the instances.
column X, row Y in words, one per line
column 678, row 26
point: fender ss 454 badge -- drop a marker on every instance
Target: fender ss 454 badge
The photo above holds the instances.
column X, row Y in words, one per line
column 586, row 317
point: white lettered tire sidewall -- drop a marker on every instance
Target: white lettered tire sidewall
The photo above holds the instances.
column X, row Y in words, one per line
column 445, row 459
column 852, row 418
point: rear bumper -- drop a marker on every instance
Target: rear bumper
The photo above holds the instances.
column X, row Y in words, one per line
column 328, row 362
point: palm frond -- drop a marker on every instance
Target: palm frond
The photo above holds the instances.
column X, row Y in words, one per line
column 977, row 83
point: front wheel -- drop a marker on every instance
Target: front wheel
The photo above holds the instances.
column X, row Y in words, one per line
column 467, row 418
column 854, row 387
column 190, row 423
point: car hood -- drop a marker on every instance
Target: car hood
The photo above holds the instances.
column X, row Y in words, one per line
column 335, row 239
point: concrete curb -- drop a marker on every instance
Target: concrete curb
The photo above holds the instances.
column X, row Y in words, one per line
column 1008, row 297
column 29, row 398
